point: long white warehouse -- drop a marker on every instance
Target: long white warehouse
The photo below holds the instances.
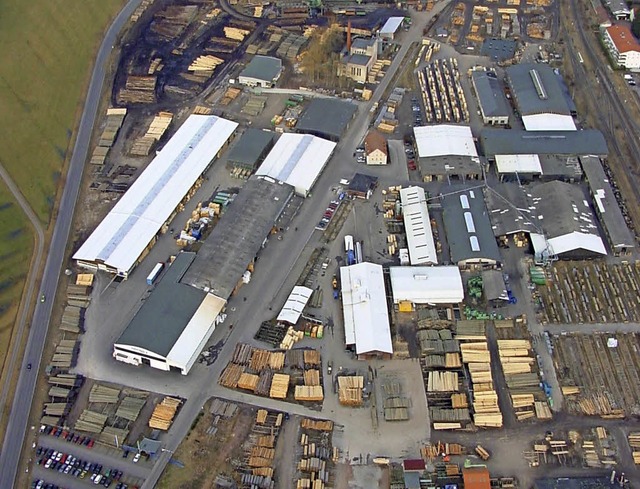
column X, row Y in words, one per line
column 366, row 317
column 297, row 159
column 426, row 285
column 422, row 248
column 120, row 240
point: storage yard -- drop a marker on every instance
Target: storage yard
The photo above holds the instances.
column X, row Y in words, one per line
column 442, row 94
column 599, row 373
column 591, row 292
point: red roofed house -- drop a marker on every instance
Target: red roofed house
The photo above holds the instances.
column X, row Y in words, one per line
column 476, row 478
column 622, row 46
column 375, row 148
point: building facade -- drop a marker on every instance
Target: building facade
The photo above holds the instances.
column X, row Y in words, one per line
column 623, row 47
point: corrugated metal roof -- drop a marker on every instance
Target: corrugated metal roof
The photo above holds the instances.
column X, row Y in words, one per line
column 490, row 94
column 422, row 248
column 265, row 68
column 126, row 231
column 427, row 285
column 524, row 164
column 476, row 478
column 444, row 140
column 496, row 141
column 536, row 89
column 391, row 25
column 295, row 304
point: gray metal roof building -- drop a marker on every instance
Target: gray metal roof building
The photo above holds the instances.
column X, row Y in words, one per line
column 620, row 237
column 493, row 104
column 468, row 229
column 498, row 49
column 327, row 118
column 238, row 237
column 495, row 141
column 448, row 167
column 251, row 148
column 527, row 95
column 261, row 71
column 510, row 209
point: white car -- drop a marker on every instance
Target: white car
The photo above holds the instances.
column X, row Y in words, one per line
column 136, row 458
column 97, row 480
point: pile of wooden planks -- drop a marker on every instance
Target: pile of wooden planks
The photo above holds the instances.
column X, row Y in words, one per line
column 542, row 410
column 242, row 354
column 171, row 22
column 312, row 377
column 160, row 123
column 259, row 360
column 634, row 443
column 470, row 330
column 475, row 352
column 434, row 451
column 130, row 408
column 90, row 421
column 279, row 386
column 264, row 383
column 442, row 381
column 248, row 381
column 311, row 358
column 231, row 375
column 310, row 393
column 163, row 414
column 235, row 33
column 350, row 390
column 276, row 360
column 206, row 63
column 486, row 410
column 316, row 424
column 292, row 336
column 459, row 400
column 65, row 354
column 103, row 394
column 138, row 90
column 261, row 416
column 85, row 279
column 230, row 95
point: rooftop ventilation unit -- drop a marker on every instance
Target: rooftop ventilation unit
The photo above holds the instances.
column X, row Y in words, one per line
column 537, row 82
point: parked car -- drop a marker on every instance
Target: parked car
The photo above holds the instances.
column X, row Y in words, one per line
column 136, row 458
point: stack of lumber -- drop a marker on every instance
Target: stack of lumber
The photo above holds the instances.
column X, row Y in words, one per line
column 138, row 90
column 268, row 441
column 259, row 360
column 160, row 123
column 442, row 381
column 291, row 338
column 67, row 380
column 480, row 373
column 261, row 416
column 242, row 354
column 65, row 354
column 447, row 426
column 444, row 415
column 231, row 375
column 130, row 408
column 102, row 393
column 316, row 424
column 55, row 391
column 312, row 393
column 223, row 408
column 486, row 411
column 312, row 377
column 431, row 452
column 279, row 386
column 295, row 359
column 90, row 421
column 85, row 279
column 115, row 118
column 276, row 360
column 470, row 330
column 71, row 319
column 350, row 390
column 56, row 408
column 311, row 358
column 542, row 410
column 264, row 383
column 570, row 390
column 459, row 401
column 163, row 414
column 248, row 381
column 230, row 95
column 634, row 443
column 235, row 33
column 263, row 471
column 206, row 63
column 50, row 420
column 475, row 352
column 202, row 110
column 452, row 360
column 171, row 22
column 113, row 436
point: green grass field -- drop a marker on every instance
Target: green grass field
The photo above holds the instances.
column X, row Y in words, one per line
column 16, row 246
column 47, row 55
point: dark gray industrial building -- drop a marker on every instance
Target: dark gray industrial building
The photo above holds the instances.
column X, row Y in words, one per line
column 251, row 148
column 472, row 243
column 239, row 236
column 523, row 78
column 493, row 104
column 620, row 238
column 499, row 49
column 327, row 118
column 495, row 141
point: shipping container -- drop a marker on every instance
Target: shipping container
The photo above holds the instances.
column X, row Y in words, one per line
column 155, row 273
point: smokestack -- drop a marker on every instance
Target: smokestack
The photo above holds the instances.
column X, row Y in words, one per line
column 349, row 36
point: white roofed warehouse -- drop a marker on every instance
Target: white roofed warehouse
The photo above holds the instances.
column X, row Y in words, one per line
column 426, row 285
column 366, row 316
column 390, row 28
column 447, row 152
column 298, row 160
column 131, row 227
column 417, row 224
column 296, row 302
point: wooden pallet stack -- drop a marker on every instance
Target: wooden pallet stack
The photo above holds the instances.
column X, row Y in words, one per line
column 634, row 444
column 163, row 414
column 311, row 358
column 276, row 360
column 316, row 424
column 309, row 393
column 231, row 375
column 259, row 360
column 279, row 386
column 350, row 390
column 248, row 381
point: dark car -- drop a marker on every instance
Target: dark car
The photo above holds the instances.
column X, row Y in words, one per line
column 69, row 437
column 125, row 454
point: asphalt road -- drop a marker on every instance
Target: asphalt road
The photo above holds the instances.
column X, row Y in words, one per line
column 19, row 416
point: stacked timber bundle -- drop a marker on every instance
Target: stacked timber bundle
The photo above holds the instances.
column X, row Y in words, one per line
column 130, row 408
column 261, row 416
column 634, row 444
column 138, row 90
column 291, row 337
column 57, row 409
column 248, row 381
column 279, row 386
column 309, row 393
column 311, row 358
column 115, row 119
column 55, row 391
column 470, row 330
column 235, row 33
column 487, row 413
column 171, row 22
column 231, row 375
column 312, row 377
column 459, row 401
column 295, row 359
column 242, row 354
column 206, row 63
column 276, row 360
column 160, row 123
column 259, row 360
column 202, row 110
column 350, row 390
column 431, row 452
column 91, row 421
column 442, row 381
column 230, row 95
column 67, row 380
column 65, row 354
column 85, row 280
column 163, row 414
column 316, row 424
column 542, row 410
column 264, row 383
column 113, row 436
column 103, row 394
column 268, row 441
